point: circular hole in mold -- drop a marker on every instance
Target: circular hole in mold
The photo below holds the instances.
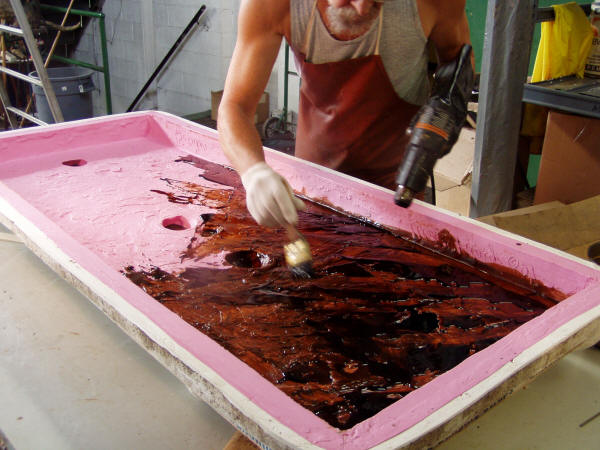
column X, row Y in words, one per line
column 75, row 162
column 176, row 223
column 248, row 259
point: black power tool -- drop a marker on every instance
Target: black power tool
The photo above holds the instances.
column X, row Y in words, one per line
column 436, row 126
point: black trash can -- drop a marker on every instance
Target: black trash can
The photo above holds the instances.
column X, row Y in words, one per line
column 73, row 87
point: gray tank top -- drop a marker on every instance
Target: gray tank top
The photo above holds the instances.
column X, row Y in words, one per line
column 402, row 46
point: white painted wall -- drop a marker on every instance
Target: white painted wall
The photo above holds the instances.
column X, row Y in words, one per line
column 139, row 35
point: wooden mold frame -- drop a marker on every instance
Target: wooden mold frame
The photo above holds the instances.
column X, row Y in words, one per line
column 423, row 418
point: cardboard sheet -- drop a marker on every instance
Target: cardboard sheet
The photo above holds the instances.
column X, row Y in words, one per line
column 572, row 228
column 570, row 163
column 453, row 175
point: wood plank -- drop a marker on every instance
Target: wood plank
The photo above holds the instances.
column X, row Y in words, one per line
column 240, row 442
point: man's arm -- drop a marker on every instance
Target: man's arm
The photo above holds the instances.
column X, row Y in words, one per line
column 259, row 38
column 261, row 26
column 445, row 24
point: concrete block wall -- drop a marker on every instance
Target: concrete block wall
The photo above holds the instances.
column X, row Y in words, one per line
column 140, row 33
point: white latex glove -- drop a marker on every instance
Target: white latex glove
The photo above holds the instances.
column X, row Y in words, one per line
column 269, row 197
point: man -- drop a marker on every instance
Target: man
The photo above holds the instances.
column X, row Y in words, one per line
column 363, row 65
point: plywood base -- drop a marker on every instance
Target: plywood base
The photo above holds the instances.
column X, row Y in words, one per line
column 240, row 442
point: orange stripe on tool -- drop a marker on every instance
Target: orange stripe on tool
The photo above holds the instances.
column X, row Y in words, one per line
column 432, row 128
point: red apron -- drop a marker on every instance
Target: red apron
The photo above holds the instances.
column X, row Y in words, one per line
column 350, row 118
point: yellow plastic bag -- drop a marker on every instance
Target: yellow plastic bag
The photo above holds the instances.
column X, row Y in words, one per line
column 563, row 50
column 564, row 44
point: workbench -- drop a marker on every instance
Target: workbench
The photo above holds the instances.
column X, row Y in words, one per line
column 70, row 378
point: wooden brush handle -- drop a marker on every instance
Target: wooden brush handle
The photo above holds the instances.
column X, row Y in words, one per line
column 292, row 233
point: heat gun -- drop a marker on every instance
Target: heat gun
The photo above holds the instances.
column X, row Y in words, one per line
column 436, row 126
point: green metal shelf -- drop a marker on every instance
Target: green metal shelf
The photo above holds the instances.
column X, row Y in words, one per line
column 104, row 68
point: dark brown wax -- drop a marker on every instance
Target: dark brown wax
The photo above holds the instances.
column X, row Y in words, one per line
column 381, row 317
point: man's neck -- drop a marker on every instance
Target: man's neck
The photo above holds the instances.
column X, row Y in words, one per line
column 346, row 34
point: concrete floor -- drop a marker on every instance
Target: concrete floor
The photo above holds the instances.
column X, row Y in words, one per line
column 71, row 379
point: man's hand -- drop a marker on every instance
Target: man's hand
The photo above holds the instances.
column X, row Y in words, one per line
column 269, row 197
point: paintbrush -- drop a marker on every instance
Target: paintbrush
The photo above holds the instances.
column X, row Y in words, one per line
column 297, row 254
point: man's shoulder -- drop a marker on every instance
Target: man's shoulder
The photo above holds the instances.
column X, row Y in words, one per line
column 269, row 8
column 273, row 14
column 442, row 9
column 435, row 13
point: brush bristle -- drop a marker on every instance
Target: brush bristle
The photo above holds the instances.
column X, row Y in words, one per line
column 298, row 258
column 302, row 271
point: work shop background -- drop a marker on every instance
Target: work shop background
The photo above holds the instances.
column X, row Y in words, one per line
column 140, row 33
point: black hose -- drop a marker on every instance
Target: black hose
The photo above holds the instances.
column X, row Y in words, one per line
column 432, row 187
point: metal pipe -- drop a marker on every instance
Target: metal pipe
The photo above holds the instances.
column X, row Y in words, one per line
column 11, row 30
column 285, row 84
column 104, row 69
column 25, row 115
column 506, row 49
column 102, row 27
column 164, row 61
column 547, row 14
column 76, row 62
column 79, row 12
column 21, row 76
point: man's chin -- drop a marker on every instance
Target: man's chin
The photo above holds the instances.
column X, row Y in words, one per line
column 345, row 19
